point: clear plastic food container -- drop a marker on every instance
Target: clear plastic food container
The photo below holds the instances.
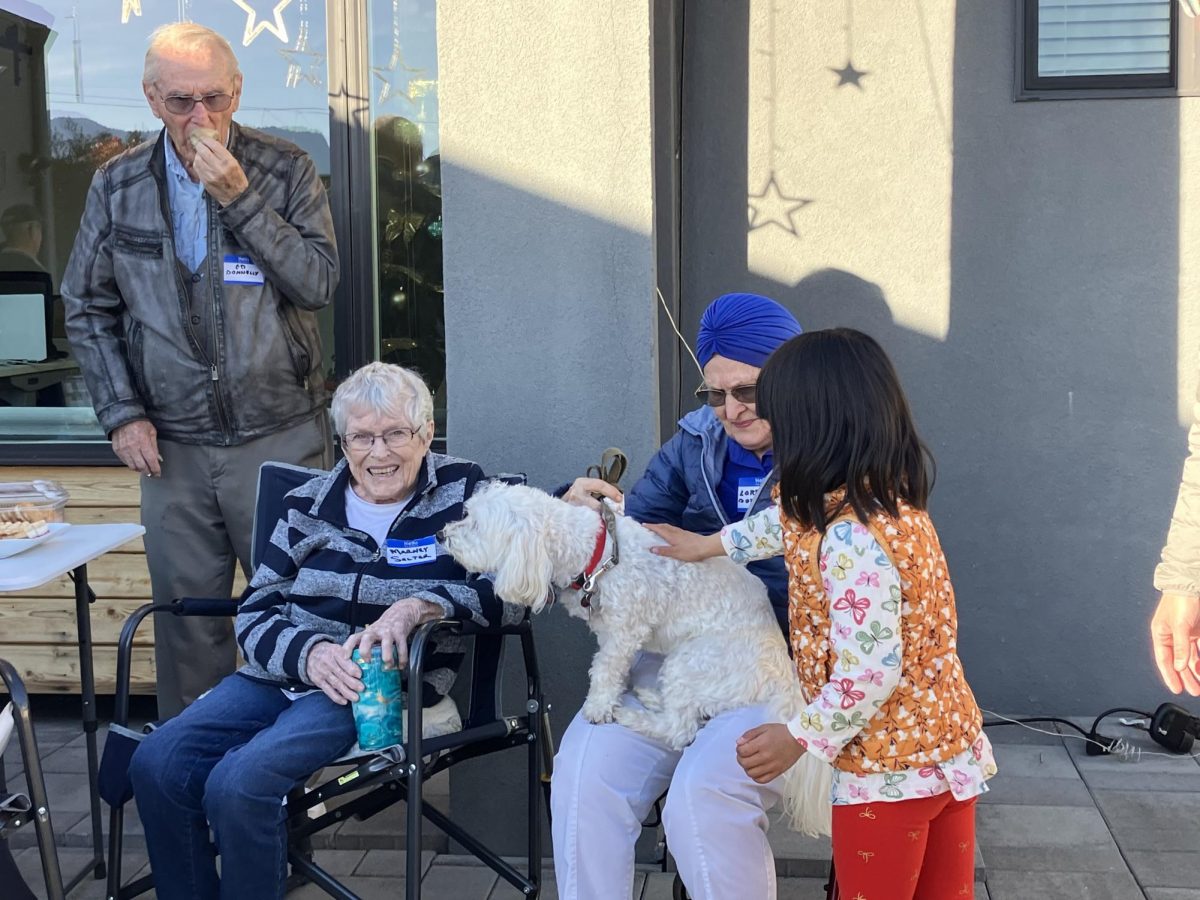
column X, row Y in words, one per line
column 32, row 501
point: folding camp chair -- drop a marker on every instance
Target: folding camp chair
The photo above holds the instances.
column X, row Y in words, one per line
column 378, row 779
column 21, row 809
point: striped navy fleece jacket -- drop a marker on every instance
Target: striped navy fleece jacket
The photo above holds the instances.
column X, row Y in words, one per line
column 320, row 579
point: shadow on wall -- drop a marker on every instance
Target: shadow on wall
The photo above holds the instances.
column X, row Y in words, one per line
column 1051, row 405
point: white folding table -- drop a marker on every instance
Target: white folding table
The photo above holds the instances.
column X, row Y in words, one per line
column 70, row 551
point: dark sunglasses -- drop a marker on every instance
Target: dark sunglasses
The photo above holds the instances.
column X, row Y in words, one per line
column 743, row 393
column 181, row 106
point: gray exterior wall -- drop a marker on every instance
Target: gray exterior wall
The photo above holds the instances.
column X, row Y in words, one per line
column 550, row 316
column 1027, row 266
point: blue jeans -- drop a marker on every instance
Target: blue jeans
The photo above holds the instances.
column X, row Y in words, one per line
column 227, row 762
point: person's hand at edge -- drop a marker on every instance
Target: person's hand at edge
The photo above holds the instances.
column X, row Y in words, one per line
column 330, row 668
column 686, row 546
column 1175, row 634
column 136, row 445
column 582, row 491
column 767, row 751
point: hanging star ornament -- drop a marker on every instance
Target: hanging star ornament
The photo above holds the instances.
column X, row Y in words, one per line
column 390, row 84
column 304, row 65
column 256, row 25
column 129, row 7
column 771, row 206
column 849, row 75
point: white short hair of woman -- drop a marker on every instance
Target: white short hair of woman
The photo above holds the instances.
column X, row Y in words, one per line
column 391, row 391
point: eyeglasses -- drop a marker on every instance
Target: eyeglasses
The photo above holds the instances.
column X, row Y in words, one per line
column 181, row 106
column 362, row 441
column 743, row 393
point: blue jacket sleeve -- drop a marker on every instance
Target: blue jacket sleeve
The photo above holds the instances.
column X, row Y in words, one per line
column 661, row 494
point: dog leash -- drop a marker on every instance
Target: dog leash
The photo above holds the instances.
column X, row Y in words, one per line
column 586, row 583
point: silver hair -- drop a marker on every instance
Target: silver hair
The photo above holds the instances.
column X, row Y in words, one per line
column 189, row 37
column 386, row 390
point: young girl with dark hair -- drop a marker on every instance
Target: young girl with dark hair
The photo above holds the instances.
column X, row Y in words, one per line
column 873, row 622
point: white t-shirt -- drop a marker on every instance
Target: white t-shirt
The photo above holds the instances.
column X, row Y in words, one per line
column 374, row 518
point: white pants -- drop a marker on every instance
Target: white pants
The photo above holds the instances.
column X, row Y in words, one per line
column 606, row 779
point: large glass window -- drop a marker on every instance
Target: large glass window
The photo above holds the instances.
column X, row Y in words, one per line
column 407, row 200
column 70, row 90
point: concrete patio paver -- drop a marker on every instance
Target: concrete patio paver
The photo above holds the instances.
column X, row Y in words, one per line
column 1056, row 824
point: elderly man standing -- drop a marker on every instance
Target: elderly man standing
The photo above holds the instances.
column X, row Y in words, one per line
column 190, row 298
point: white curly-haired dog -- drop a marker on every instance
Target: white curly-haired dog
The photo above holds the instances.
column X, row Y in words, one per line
column 712, row 621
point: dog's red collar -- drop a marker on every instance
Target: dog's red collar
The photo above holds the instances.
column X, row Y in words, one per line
column 597, row 553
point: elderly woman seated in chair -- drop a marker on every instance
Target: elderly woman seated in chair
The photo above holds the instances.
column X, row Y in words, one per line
column 325, row 586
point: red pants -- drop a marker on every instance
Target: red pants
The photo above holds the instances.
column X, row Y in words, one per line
column 921, row 849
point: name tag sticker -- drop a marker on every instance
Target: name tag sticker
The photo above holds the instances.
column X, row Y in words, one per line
column 747, row 491
column 411, row 553
column 241, row 270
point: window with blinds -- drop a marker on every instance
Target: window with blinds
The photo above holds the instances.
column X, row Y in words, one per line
column 1107, row 48
column 1101, row 38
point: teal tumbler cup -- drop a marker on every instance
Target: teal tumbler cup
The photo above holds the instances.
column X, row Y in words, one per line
column 379, row 710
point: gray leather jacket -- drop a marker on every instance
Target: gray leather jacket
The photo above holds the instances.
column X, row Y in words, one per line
column 127, row 307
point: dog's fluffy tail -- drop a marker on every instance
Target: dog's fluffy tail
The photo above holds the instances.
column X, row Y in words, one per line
column 807, row 789
column 808, row 785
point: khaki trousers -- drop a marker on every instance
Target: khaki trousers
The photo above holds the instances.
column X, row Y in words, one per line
column 199, row 518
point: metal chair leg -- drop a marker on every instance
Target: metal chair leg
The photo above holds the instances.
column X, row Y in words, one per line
column 40, row 813
column 831, row 888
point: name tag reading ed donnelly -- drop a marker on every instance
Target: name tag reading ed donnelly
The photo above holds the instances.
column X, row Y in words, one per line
column 241, row 269
column 411, row 553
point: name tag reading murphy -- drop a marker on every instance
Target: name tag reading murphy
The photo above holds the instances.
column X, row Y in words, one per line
column 241, row 270
column 411, row 553
column 747, row 491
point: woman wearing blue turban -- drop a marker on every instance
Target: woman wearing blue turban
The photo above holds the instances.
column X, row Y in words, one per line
column 715, row 470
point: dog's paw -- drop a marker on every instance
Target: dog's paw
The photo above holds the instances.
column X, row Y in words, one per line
column 599, row 712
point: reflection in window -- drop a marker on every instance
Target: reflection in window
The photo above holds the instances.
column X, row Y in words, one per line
column 408, row 193
column 71, row 95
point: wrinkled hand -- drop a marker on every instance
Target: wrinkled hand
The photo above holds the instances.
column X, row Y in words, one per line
column 582, row 490
column 767, row 751
column 218, row 171
column 330, row 668
column 391, row 630
column 686, row 545
column 1175, row 633
column 136, row 445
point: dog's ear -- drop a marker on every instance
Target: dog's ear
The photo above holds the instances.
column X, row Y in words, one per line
column 525, row 572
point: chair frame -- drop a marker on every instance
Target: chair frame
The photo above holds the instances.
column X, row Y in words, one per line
column 381, row 779
column 39, row 813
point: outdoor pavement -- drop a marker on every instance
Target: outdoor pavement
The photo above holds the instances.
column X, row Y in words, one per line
column 1057, row 824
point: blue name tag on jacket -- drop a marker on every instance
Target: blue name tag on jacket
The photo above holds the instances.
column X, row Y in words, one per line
column 241, row 270
column 411, row 553
column 747, row 491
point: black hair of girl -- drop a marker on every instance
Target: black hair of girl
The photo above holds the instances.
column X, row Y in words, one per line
column 838, row 417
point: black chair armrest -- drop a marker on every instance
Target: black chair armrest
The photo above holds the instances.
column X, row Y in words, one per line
column 204, row 606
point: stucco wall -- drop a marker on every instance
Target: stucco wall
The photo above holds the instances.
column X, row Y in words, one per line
column 550, row 266
column 1028, row 267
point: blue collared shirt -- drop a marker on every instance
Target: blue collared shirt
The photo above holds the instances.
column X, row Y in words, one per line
column 189, row 212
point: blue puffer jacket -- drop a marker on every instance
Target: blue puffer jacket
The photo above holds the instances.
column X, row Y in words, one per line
column 680, row 488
